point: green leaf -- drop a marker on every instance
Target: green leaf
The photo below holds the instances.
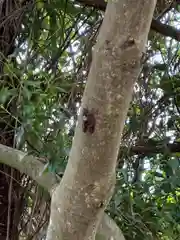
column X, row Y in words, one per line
column 5, row 93
column 27, row 93
column 174, row 163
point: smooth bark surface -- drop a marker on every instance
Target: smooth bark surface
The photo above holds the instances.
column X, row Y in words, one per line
column 27, row 164
column 79, row 201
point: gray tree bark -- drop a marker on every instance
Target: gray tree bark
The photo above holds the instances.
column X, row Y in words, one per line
column 79, row 201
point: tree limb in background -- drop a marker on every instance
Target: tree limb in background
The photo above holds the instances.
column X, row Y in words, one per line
column 151, row 148
column 156, row 25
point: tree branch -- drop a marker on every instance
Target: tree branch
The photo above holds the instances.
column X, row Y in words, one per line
column 150, row 148
column 33, row 167
column 156, row 25
column 108, row 229
column 27, row 164
column 165, row 30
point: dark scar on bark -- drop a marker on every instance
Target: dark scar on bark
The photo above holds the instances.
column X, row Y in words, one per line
column 88, row 121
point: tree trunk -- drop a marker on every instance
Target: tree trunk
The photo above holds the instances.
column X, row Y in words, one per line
column 79, row 201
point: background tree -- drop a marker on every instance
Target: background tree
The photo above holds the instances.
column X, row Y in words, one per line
column 48, row 101
column 11, row 192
